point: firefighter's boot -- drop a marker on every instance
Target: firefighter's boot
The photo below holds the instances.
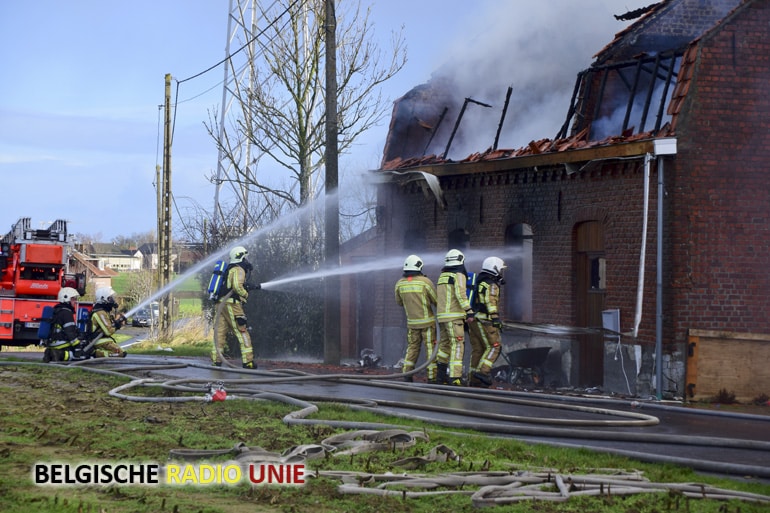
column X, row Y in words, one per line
column 442, row 373
column 483, row 380
column 456, row 382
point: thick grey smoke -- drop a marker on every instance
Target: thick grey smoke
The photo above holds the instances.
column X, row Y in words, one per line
column 535, row 47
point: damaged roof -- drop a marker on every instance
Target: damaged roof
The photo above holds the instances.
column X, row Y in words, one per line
column 655, row 53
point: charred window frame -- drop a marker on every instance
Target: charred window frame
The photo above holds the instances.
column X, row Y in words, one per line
column 638, row 89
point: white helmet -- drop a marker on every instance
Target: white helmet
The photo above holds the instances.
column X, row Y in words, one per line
column 413, row 263
column 67, row 293
column 493, row 266
column 454, row 257
column 105, row 295
column 237, row 254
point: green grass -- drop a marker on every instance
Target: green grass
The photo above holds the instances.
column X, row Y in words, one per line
column 190, row 284
column 75, row 420
column 120, row 283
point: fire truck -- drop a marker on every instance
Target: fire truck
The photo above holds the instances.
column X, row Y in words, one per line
column 33, row 268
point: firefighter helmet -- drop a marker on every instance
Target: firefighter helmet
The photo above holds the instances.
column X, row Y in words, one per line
column 105, row 295
column 66, row 294
column 493, row 266
column 413, row 263
column 237, row 254
column 454, row 257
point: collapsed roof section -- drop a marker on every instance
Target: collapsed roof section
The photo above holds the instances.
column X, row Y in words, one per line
column 629, row 93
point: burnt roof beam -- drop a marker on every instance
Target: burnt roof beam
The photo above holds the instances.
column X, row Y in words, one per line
column 650, row 91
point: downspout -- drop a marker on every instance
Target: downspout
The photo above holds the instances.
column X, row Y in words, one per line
column 643, row 251
column 659, row 291
column 666, row 146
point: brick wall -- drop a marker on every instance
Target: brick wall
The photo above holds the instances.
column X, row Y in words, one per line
column 720, row 188
column 552, row 203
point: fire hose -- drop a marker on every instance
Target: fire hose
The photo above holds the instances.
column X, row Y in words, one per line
column 240, row 389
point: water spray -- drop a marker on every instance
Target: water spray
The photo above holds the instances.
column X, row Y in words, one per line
column 218, row 255
column 393, row 262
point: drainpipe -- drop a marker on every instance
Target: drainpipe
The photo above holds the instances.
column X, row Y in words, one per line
column 659, row 290
column 667, row 147
column 643, row 251
column 662, row 147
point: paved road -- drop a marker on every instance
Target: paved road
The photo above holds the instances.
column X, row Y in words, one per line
column 723, row 443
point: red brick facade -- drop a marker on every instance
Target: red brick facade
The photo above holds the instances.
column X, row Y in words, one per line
column 716, row 259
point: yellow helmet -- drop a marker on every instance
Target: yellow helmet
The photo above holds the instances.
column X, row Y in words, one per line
column 67, row 293
column 237, row 254
column 413, row 263
column 493, row 265
column 454, row 257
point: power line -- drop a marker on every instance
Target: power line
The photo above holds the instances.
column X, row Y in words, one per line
column 260, row 33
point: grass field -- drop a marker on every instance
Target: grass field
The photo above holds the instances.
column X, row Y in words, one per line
column 68, row 416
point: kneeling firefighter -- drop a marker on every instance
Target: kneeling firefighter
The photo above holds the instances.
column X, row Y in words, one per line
column 64, row 344
column 230, row 315
column 103, row 324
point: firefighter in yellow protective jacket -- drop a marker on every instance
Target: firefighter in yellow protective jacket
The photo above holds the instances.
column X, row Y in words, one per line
column 230, row 314
column 453, row 310
column 485, row 332
column 104, row 324
column 416, row 293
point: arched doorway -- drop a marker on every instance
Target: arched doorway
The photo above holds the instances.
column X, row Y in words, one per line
column 590, row 292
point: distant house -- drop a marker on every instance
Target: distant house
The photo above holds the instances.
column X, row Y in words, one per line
column 98, row 277
column 121, row 261
column 149, row 251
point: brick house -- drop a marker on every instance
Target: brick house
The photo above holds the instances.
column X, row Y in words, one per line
column 647, row 213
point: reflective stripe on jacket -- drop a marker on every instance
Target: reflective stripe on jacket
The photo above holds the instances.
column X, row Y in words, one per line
column 452, row 301
column 236, row 277
column 418, row 297
column 488, row 297
column 101, row 320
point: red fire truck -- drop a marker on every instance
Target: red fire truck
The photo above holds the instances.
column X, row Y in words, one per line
column 33, row 268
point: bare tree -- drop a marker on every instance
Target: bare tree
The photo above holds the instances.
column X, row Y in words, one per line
column 140, row 285
column 134, row 240
column 282, row 111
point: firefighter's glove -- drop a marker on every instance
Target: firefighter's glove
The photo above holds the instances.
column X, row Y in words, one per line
column 497, row 323
column 119, row 321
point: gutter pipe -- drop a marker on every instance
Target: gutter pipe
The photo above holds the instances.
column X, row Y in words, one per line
column 659, row 290
column 643, row 251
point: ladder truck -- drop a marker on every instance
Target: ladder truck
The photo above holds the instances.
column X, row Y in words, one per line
column 33, row 268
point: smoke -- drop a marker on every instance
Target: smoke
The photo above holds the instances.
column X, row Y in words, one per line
column 537, row 48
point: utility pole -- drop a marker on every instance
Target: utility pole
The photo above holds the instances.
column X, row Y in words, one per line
column 164, row 222
column 239, row 77
column 331, row 218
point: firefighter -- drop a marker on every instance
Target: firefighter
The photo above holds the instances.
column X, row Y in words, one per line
column 64, row 344
column 230, row 314
column 453, row 310
column 416, row 293
column 103, row 324
column 485, row 332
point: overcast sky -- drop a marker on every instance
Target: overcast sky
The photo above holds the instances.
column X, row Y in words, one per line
column 82, row 82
